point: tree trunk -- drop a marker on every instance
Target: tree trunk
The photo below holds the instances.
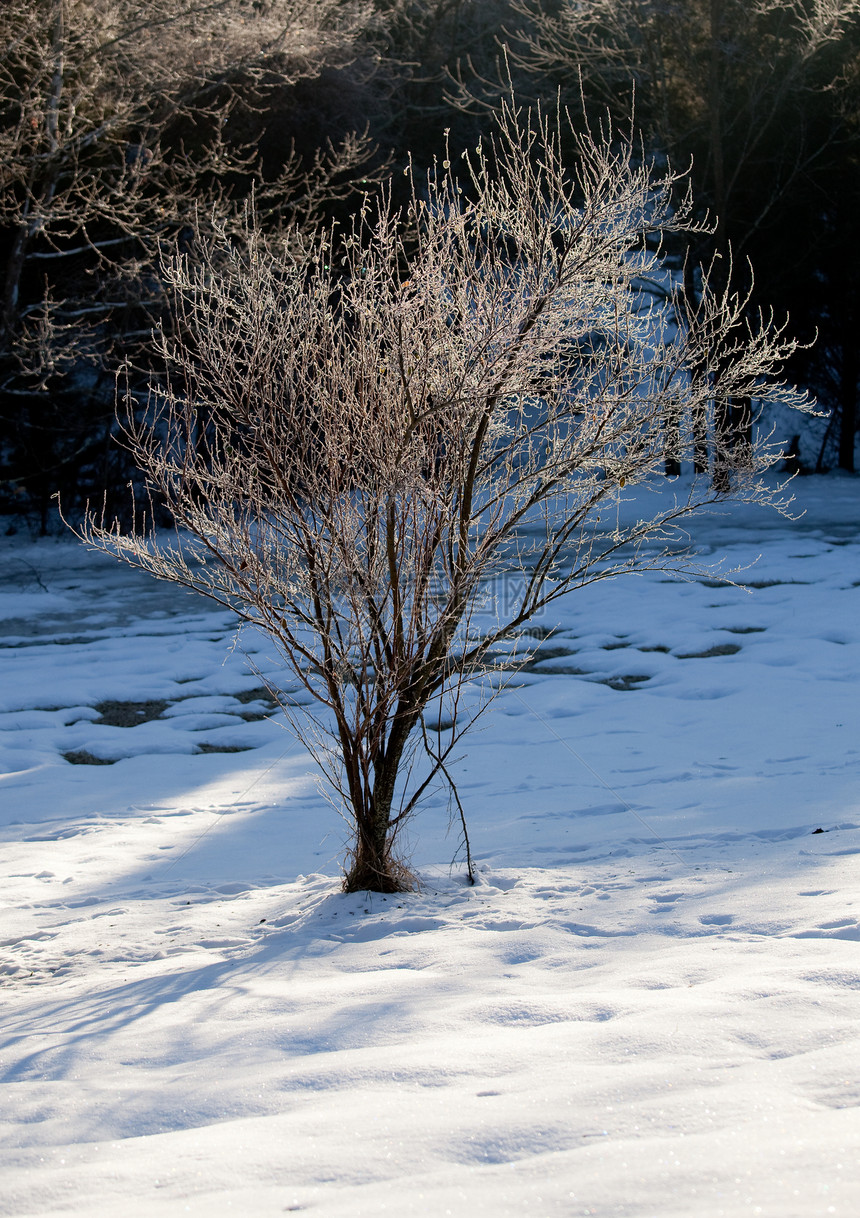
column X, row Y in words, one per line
column 699, row 420
column 848, row 403
column 374, row 866
column 700, row 442
column 722, row 480
column 715, row 105
column 12, row 281
column 742, row 426
column 672, row 463
column 732, row 440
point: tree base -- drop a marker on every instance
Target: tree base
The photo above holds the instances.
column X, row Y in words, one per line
column 388, row 877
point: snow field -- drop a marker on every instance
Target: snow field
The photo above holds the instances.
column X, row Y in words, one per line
column 647, row 1006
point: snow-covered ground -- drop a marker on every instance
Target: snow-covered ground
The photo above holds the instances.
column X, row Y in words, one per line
column 648, row 1006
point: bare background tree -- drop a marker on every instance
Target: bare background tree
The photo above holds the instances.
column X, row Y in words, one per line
column 119, row 120
column 761, row 98
column 427, row 43
column 354, row 438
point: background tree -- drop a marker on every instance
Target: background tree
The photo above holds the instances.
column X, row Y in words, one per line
column 119, row 119
column 426, row 44
column 752, row 94
column 355, row 438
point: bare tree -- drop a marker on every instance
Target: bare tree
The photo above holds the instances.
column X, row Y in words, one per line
column 356, row 439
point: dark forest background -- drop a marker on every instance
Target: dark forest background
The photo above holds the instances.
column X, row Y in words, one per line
column 130, row 127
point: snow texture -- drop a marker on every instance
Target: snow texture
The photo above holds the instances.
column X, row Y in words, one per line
column 646, row 1007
